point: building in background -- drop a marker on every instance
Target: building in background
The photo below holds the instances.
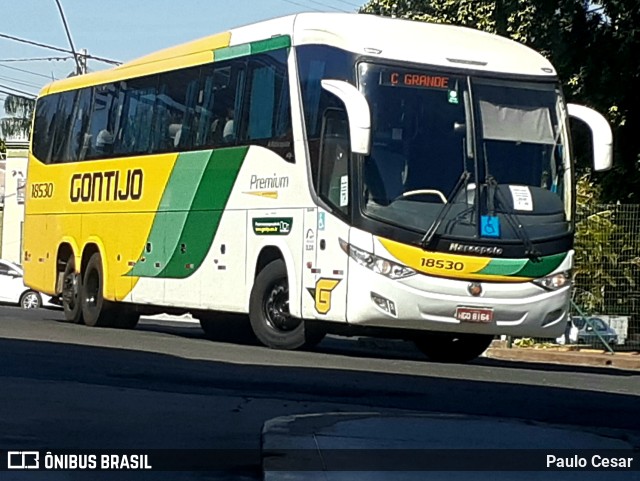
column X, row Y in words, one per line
column 13, row 178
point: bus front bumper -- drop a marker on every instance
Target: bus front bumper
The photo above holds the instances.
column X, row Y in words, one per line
column 435, row 304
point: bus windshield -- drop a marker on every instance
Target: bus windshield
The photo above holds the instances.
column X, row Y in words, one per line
column 435, row 136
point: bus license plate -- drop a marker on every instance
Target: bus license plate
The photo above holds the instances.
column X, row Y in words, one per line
column 474, row 314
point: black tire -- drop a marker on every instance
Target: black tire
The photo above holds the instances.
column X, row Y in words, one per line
column 71, row 287
column 455, row 348
column 30, row 300
column 269, row 312
column 96, row 310
column 93, row 304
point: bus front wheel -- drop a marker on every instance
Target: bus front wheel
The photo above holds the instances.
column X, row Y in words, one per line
column 269, row 313
column 71, row 283
column 451, row 347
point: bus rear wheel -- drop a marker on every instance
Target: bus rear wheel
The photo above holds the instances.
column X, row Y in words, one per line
column 71, row 286
column 96, row 310
column 451, row 347
column 269, row 313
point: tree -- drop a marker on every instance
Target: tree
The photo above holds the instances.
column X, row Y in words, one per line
column 592, row 44
column 20, row 111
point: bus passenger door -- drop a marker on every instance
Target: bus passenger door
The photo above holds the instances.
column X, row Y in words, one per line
column 325, row 267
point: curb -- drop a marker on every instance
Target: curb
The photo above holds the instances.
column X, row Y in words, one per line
column 574, row 358
column 499, row 351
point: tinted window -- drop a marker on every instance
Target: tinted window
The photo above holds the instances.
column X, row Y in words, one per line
column 223, row 94
column 42, row 140
column 61, row 126
column 175, row 121
column 236, row 102
column 103, row 120
column 80, row 138
column 315, row 63
column 134, row 136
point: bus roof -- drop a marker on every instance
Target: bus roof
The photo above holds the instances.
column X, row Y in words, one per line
column 371, row 35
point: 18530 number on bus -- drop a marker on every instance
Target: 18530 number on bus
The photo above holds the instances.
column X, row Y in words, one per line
column 441, row 264
column 41, row 190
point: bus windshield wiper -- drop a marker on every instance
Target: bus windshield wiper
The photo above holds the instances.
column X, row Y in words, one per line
column 435, row 225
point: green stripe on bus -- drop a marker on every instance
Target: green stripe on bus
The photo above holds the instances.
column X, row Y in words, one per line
column 203, row 219
column 189, row 212
column 275, row 43
column 172, row 213
column 503, row 267
column 544, row 267
column 524, row 267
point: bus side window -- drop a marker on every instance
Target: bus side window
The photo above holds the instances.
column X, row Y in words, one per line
column 102, row 129
column 61, row 126
column 334, row 160
column 137, row 117
column 220, row 102
column 80, row 138
column 268, row 117
column 175, row 108
column 43, row 128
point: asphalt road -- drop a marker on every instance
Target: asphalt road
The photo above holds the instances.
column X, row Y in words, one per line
column 164, row 386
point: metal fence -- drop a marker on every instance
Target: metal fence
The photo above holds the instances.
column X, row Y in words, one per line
column 606, row 279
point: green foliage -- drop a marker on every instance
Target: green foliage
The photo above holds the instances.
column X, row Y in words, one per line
column 605, row 267
column 20, row 110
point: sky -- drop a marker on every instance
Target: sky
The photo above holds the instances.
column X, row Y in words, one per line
column 121, row 30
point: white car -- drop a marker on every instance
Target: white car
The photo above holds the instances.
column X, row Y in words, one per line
column 13, row 290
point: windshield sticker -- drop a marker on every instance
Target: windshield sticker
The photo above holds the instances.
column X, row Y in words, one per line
column 344, row 191
column 521, row 196
column 272, row 225
column 490, row 226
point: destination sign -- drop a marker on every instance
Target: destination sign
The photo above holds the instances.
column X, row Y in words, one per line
column 404, row 78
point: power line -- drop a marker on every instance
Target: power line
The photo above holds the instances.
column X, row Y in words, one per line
column 34, row 59
column 57, row 49
column 16, row 81
column 3, row 87
column 301, row 5
column 349, row 3
column 327, row 5
column 26, row 71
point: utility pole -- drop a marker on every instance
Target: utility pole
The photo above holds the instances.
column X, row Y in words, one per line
column 83, row 60
column 79, row 69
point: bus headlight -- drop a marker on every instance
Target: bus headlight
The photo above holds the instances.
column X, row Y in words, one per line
column 377, row 264
column 554, row 281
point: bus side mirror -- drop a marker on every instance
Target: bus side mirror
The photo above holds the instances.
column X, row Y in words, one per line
column 600, row 132
column 358, row 112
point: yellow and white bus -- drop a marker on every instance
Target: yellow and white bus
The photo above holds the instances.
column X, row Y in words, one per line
column 320, row 173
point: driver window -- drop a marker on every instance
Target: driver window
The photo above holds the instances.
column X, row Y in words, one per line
column 334, row 160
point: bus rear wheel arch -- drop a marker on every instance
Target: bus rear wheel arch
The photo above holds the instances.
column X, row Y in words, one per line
column 269, row 313
column 452, row 347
